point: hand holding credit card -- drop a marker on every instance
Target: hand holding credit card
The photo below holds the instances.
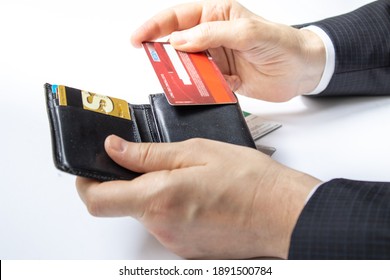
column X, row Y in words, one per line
column 81, row 120
column 188, row 78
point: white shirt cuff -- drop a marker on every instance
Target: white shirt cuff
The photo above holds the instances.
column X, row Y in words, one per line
column 330, row 59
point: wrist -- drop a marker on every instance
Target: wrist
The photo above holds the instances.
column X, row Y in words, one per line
column 314, row 60
column 289, row 190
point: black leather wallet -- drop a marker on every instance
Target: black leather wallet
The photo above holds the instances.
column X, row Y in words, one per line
column 78, row 134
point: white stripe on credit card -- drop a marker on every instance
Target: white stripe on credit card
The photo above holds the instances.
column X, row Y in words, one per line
column 177, row 64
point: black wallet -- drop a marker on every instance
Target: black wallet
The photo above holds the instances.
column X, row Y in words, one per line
column 78, row 134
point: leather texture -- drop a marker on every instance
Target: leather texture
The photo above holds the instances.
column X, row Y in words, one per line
column 216, row 122
column 78, row 135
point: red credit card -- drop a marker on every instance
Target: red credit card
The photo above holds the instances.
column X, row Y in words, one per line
column 188, row 78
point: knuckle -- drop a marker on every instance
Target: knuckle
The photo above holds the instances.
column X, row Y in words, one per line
column 145, row 153
column 94, row 206
column 247, row 29
column 195, row 146
column 206, row 32
column 196, row 142
column 206, row 29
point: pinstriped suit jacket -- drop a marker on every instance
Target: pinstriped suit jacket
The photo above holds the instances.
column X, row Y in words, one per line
column 348, row 219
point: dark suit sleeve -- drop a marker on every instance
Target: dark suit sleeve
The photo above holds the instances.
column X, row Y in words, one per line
column 362, row 47
column 347, row 219
column 344, row 219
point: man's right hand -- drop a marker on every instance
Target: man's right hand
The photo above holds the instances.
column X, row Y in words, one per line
column 259, row 58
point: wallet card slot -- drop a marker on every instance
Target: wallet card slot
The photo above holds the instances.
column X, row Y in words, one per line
column 222, row 122
column 78, row 142
column 146, row 124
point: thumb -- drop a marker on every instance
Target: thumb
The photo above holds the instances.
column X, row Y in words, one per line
column 208, row 35
column 148, row 157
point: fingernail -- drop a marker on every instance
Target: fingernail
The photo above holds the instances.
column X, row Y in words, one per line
column 117, row 144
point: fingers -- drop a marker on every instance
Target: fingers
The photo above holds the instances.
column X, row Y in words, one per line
column 198, row 26
column 177, row 18
column 108, row 199
column 148, row 157
column 138, row 198
column 214, row 34
column 123, row 198
column 168, row 168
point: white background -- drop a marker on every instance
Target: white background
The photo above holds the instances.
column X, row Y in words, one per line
column 85, row 44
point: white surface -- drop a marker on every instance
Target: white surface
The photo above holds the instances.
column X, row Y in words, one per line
column 85, row 44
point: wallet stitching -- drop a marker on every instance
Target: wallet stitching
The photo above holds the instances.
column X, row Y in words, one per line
column 149, row 122
column 135, row 130
column 93, row 175
column 158, row 124
column 90, row 174
column 54, row 125
column 144, row 110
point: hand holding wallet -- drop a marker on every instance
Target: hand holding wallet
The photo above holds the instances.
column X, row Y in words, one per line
column 80, row 121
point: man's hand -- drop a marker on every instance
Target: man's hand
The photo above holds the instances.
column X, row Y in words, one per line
column 202, row 198
column 260, row 59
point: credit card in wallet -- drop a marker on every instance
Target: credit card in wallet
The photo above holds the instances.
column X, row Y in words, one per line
column 91, row 101
column 188, row 78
